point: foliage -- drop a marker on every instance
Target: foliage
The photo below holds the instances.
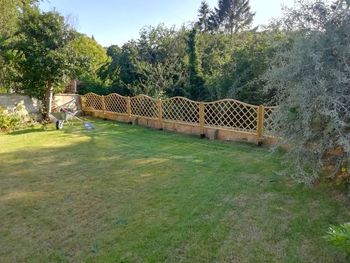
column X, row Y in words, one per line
column 9, row 74
column 160, row 61
column 312, row 90
column 199, row 65
column 91, row 55
column 202, row 63
column 215, row 51
column 14, row 119
column 95, row 85
column 119, row 75
column 242, row 75
column 154, row 64
column 44, row 52
column 91, row 59
column 339, row 236
column 10, row 11
column 110, row 72
column 232, row 16
column 204, row 13
column 196, row 82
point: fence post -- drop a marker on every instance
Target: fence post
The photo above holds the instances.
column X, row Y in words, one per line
column 103, row 105
column 128, row 108
column 260, row 124
column 160, row 114
column 82, row 102
column 201, row 119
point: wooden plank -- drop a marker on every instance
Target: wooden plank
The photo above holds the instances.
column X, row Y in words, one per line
column 103, row 104
column 160, row 114
column 201, row 118
column 128, row 107
column 260, row 123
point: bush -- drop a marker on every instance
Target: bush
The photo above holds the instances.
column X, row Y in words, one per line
column 339, row 236
column 312, row 90
column 14, row 119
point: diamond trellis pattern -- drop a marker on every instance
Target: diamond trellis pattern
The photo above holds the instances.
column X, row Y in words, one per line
column 180, row 109
column 92, row 102
column 269, row 122
column 227, row 113
column 145, row 106
column 115, row 103
column 231, row 114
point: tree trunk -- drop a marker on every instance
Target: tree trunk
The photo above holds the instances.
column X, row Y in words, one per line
column 48, row 102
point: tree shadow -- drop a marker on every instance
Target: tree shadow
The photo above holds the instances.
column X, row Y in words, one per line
column 27, row 131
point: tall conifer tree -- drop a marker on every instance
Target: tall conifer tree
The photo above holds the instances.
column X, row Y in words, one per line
column 203, row 17
column 234, row 15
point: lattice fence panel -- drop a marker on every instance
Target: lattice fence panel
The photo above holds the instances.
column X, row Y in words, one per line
column 231, row 114
column 116, row 103
column 270, row 123
column 180, row 109
column 144, row 106
column 92, row 102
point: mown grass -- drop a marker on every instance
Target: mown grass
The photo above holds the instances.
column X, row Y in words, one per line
column 122, row 193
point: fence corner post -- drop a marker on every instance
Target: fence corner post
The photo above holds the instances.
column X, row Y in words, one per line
column 160, row 114
column 128, row 108
column 260, row 124
column 201, row 118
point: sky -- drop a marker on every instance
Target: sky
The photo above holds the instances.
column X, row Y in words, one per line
column 117, row 21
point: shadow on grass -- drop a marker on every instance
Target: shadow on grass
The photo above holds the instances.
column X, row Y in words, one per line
column 28, row 130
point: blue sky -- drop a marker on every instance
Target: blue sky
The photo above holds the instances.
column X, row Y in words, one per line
column 117, row 21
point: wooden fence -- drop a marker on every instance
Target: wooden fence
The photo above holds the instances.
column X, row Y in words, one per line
column 226, row 119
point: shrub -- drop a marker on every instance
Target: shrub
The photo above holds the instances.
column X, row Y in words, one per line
column 14, row 119
column 7, row 120
column 312, row 90
column 339, row 236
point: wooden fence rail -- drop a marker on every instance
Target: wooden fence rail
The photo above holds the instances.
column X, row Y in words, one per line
column 226, row 119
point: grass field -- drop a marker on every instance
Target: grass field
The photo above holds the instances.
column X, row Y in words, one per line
column 128, row 194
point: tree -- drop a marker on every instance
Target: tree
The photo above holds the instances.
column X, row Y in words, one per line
column 88, row 50
column 242, row 77
column 312, row 81
column 203, row 17
column 8, row 72
column 153, row 65
column 213, row 21
column 215, row 51
column 161, row 61
column 197, row 87
column 10, row 11
column 234, row 15
column 91, row 57
column 45, row 54
column 110, row 72
column 201, row 66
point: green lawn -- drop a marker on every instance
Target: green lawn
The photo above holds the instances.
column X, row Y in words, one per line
column 129, row 194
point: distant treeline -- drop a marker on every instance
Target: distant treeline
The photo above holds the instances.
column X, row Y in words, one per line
column 219, row 56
